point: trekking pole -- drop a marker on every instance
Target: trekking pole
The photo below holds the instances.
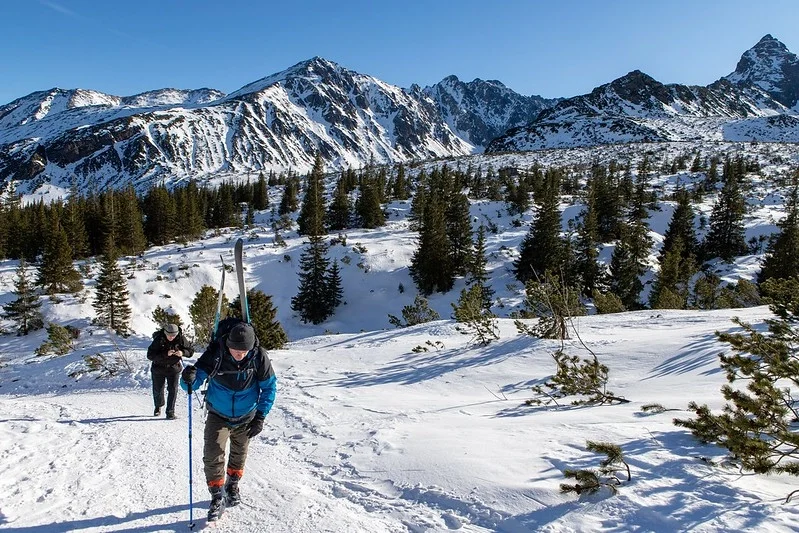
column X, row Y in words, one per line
column 191, row 499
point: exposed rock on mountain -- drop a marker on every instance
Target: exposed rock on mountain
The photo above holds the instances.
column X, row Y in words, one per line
column 279, row 122
column 770, row 66
column 751, row 104
column 480, row 111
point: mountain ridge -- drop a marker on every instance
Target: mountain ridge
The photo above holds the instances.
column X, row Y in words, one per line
column 278, row 122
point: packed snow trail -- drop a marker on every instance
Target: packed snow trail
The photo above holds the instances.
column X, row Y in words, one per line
column 98, row 461
column 110, row 466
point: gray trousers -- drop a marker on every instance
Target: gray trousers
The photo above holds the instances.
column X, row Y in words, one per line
column 217, row 434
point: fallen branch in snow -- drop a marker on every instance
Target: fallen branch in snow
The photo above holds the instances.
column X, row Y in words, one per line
column 495, row 396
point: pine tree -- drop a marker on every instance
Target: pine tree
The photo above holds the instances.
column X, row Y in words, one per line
column 131, row 239
column 625, row 272
column 334, row 288
column 697, row 166
column 312, row 302
column 263, row 317
column 111, row 295
column 477, row 321
column 518, row 197
column 3, row 232
column 758, row 423
column 782, row 255
column 24, row 311
column 225, row 212
column 587, row 266
column 311, row 217
column 203, row 311
column 368, row 207
column 260, row 195
column 542, row 248
column 726, row 239
column 190, row 223
column 430, row 265
column 416, row 213
column 56, row 273
column 400, row 188
column 672, row 283
column 340, row 210
column 459, row 232
column 74, row 223
column 608, row 202
column 288, row 203
column 638, row 229
column 160, row 216
column 109, row 218
column 478, row 274
column 681, row 227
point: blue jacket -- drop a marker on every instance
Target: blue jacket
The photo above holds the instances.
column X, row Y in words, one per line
column 236, row 389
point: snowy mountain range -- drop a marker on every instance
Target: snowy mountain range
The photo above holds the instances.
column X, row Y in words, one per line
column 278, row 122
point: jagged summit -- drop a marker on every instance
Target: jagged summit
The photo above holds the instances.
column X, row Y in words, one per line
column 315, row 68
column 481, row 110
column 770, row 66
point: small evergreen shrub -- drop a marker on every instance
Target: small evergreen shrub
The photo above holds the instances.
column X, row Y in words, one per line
column 59, row 340
column 591, row 481
column 417, row 313
column 102, row 365
column 162, row 317
column 474, row 318
column 607, row 303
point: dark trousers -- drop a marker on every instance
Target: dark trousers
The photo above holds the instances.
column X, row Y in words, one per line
column 169, row 376
column 217, row 434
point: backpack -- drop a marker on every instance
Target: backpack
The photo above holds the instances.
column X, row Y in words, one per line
column 222, row 330
column 224, row 327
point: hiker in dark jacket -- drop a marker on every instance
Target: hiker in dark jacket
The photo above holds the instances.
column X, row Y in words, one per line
column 241, row 391
column 166, row 351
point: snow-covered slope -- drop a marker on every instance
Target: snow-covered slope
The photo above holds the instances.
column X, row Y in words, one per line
column 274, row 123
column 368, row 436
column 754, row 103
column 638, row 108
column 370, row 432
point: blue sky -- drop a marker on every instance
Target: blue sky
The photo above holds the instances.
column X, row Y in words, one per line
column 560, row 48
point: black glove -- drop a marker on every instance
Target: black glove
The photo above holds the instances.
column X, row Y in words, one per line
column 256, row 425
column 189, row 375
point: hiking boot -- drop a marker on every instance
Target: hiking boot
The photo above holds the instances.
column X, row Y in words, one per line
column 232, row 496
column 217, row 506
column 157, row 411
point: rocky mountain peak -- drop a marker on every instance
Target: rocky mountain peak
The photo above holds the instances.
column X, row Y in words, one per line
column 770, row 66
column 636, row 87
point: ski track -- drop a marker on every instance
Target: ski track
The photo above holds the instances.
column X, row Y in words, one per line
column 291, row 484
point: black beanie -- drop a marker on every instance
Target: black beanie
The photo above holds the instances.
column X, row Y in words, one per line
column 241, row 337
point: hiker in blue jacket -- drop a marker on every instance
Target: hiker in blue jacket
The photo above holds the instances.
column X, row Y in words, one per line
column 241, row 391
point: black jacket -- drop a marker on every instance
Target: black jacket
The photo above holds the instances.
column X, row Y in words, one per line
column 160, row 347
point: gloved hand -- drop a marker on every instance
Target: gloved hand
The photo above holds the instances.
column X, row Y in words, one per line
column 256, row 425
column 189, row 375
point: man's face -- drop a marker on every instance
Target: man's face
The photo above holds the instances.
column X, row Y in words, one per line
column 238, row 355
column 171, row 336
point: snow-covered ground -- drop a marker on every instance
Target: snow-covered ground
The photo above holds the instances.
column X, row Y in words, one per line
column 366, row 435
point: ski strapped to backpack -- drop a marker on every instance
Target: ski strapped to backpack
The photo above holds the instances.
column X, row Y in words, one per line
column 238, row 252
column 219, row 298
column 223, row 327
